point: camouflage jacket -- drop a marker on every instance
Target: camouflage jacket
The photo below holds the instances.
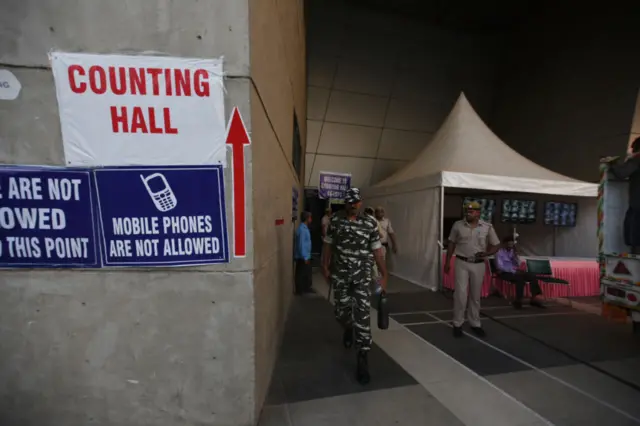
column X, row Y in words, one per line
column 352, row 240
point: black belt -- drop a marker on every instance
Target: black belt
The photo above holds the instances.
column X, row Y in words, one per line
column 469, row 259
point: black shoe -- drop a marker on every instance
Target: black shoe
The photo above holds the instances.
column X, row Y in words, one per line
column 537, row 304
column 457, row 332
column 347, row 337
column 517, row 304
column 362, row 371
column 479, row 331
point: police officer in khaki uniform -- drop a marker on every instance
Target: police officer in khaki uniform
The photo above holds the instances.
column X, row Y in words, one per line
column 472, row 240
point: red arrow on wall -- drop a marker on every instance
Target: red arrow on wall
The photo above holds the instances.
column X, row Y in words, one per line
column 238, row 137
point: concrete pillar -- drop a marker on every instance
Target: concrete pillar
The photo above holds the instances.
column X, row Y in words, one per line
column 124, row 347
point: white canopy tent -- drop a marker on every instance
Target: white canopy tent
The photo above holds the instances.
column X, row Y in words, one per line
column 465, row 156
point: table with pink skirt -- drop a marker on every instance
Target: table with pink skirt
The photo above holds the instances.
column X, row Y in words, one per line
column 583, row 276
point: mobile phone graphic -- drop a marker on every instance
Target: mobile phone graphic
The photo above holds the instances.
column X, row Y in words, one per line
column 160, row 192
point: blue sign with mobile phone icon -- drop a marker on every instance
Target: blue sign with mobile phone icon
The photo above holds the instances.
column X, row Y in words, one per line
column 162, row 216
column 47, row 218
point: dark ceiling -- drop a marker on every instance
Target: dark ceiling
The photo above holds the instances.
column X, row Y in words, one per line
column 462, row 15
column 491, row 16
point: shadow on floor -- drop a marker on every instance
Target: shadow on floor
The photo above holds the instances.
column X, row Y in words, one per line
column 313, row 363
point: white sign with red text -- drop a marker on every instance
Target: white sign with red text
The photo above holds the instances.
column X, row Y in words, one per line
column 118, row 110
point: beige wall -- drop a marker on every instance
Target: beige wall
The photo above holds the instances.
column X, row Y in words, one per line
column 380, row 85
column 278, row 75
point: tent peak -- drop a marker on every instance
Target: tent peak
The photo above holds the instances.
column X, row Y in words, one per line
column 465, row 144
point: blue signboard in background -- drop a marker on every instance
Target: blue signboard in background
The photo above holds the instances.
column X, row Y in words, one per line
column 333, row 185
column 47, row 218
column 162, row 216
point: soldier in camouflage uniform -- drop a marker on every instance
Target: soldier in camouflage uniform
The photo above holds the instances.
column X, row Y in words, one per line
column 353, row 243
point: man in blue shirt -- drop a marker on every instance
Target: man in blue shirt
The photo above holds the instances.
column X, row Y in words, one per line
column 508, row 265
column 302, row 255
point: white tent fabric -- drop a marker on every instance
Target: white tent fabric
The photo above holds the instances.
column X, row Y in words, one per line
column 417, row 227
column 466, row 154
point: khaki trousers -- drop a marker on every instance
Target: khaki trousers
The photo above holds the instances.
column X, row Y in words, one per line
column 468, row 287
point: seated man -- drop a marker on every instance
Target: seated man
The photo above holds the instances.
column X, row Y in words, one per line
column 508, row 264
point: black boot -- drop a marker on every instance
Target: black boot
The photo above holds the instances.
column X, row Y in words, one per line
column 362, row 372
column 347, row 337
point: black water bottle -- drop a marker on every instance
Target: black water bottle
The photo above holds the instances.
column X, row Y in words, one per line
column 383, row 311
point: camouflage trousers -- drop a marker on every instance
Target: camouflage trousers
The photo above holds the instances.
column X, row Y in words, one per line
column 352, row 303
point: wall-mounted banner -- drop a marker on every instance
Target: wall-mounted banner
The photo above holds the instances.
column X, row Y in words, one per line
column 9, row 86
column 47, row 218
column 118, row 110
column 333, row 185
column 162, row 216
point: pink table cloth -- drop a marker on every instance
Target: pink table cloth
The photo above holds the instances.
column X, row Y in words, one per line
column 583, row 277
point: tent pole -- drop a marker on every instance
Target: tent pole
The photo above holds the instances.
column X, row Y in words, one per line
column 441, row 245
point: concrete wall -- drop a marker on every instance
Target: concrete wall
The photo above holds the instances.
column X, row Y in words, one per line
column 122, row 347
column 278, row 76
column 569, row 83
column 381, row 84
column 560, row 90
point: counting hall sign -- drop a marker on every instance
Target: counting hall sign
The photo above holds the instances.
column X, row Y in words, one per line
column 121, row 110
column 145, row 142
